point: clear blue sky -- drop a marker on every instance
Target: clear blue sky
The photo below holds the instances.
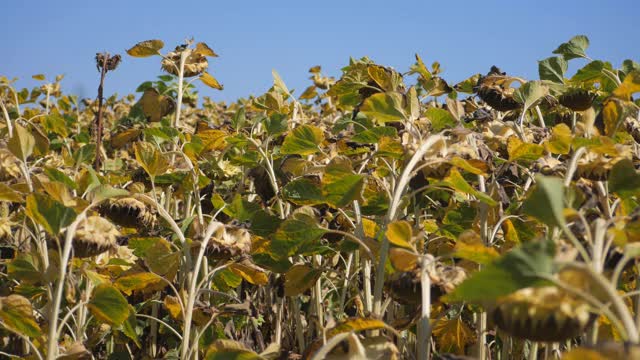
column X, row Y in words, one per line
column 254, row 37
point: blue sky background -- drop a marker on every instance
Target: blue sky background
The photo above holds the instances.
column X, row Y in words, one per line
column 254, row 37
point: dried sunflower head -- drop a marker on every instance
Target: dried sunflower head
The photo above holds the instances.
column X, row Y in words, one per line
column 129, row 212
column 577, row 99
column 228, row 242
column 541, row 314
column 494, row 89
column 94, row 236
column 405, row 286
column 195, row 63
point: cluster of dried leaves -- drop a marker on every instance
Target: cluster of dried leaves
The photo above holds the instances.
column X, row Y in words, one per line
column 364, row 219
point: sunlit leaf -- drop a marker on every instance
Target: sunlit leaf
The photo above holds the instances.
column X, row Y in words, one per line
column 146, row 48
column 523, row 151
column 560, row 142
column 51, row 214
column 297, row 233
column 21, row 143
column 141, row 281
column 440, row 118
column 458, row 183
column 303, row 191
column 574, row 48
column 39, row 77
column 108, row 305
column 384, row 107
column 400, row 234
column 150, row 158
column 529, row 93
column 553, row 69
column 340, row 185
column 210, row 81
column 629, row 86
column 250, row 273
column 16, row 313
column 204, row 49
column 303, row 140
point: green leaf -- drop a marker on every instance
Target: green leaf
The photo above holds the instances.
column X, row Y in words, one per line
column 303, row 191
column 340, row 185
column 85, row 154
column 21, row 143
column 22, row 268
column 458, row 183
column 590, row 72
column 210, row 81
column 16, row 313
column 384, row 107
column 553, row 69
column 56, row 124
column 546, row 201
column 279, row 84
column 373, row 135
column 57, row 175
column 440, row 119
column 574, row 48
column 303, row 140
column 529, row 93
column 299, row 279
column 146, row 48
column 103, row 192
column 521, row 267
column 295, row 235
column 624, row 179
column 49, row 213
column 108, row 305
column 150, row 158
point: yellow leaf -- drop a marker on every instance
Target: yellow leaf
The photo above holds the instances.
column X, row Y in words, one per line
column 145, row 282
column 155, row 106
column 403, row 260
column 146, row 48
column 124, row 137
column 612, row 115
column 400, row 234
column 583, row 354
column 629, row 86
column 474, row 166
column 560, row 142
column 150, row 158
column 452, row 335
column 370, row 228
column 173, row 306
column 212, row 139
column 309, row 93
column 204, row 49
column 250, row 272
column 38, row 77
column 299, row 279
column 210, row 81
